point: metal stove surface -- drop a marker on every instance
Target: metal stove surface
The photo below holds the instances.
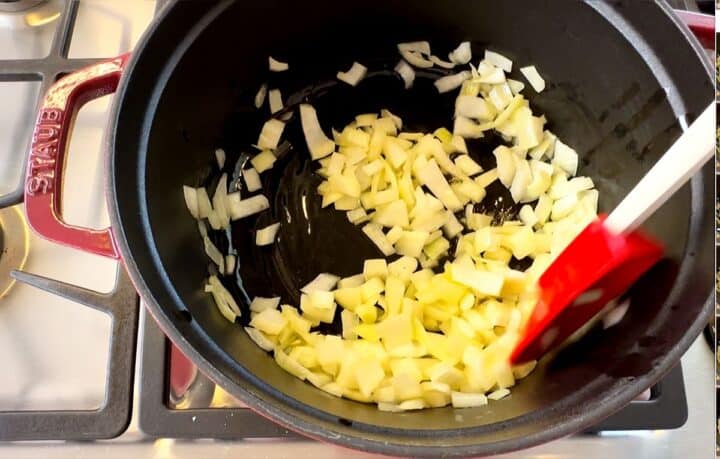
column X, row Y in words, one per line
column 54, row 352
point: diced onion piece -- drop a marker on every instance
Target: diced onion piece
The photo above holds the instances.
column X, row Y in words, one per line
column 260, row 339
column 230, row 261
column 415, row 46
column 505, row 165
column 266, row 236
column 357, row 216
column 270, row 134
column 498, row 394
column 411, row 243
column 260, row 95
column 263, row 161
column 324, row 282
column 223, row 300
column 462, row 54
column 220, row 157
column 467, row 165
column 290, row 365
column 204, row 206
column 441, row 63
column 492, row 76
column 515, row 86
column 450, row 82
column 474, row 107
column 521, row 179
column 214, row 220
column 277, row 66
column 565, row 158
column 275, row 100
column 452, row 227
column 374, row 232
column 406, row 73
column 252, row 179
column 483, row 282
column 241, row 208
column 259, row 304
column 214, row 254
column 498, row 60
column 318, row 144
column 433, row 178
column 202, row 228
column 416, row 59
column 527, row 215
column 467, row 400
column 465, row 127
column 396, row 119
column 353, row 76
column 219, row 202
column 458, row 143
column 533, row 77
column 191, row 200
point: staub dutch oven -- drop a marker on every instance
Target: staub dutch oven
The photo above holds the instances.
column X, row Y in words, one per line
column 624, row 78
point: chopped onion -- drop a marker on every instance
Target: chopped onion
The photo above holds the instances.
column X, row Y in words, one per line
column 202, row 228
column 433, row 178
column 450, row 82
column 515, row 86
column 263, row 161
column 220, row 157
column 191, row 200
column 416, row 59
column 214, row 220
column 260, row 95
column 396, row 119
column 462, row 54
column 415, row 46
column 498, row 60
column 498, row 394
column 204, row 206
column 252, row 179
column 474, row 107
column 270, row 134
column 534, row 78
column 277, row 66
column 214, row 254
column 230, row 261
column 241, row 208
column 275, row 100
column 465, row 127
column 323, row 282
column 220, row 201
column 452, row 227
column 266, row 236
column 353, row 76
column 406, row 73
column 374, row 232
column 564, row 157
column 260, row 339
column 318, row 144
column 226, row 301
column 259, row 304
column 357, row 216
column 441, row 63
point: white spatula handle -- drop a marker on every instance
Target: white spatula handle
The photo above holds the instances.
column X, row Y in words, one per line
column 686, row 156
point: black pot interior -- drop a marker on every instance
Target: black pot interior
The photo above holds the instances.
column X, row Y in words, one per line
column 200, row 70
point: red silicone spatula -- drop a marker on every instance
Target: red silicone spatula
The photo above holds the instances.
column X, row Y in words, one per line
column 610, row 254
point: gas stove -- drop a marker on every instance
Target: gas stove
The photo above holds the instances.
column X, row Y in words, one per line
column 82, row 360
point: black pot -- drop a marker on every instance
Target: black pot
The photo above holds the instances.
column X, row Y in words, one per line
column 623, row 76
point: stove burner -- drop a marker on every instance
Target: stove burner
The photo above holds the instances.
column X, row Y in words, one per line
column 13, row 245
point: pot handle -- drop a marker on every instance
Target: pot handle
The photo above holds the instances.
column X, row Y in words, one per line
column 46, row 162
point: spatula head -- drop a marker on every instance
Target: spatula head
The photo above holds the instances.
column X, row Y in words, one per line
column 597, row 267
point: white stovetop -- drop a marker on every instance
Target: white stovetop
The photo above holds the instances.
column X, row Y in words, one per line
column 44, row 340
